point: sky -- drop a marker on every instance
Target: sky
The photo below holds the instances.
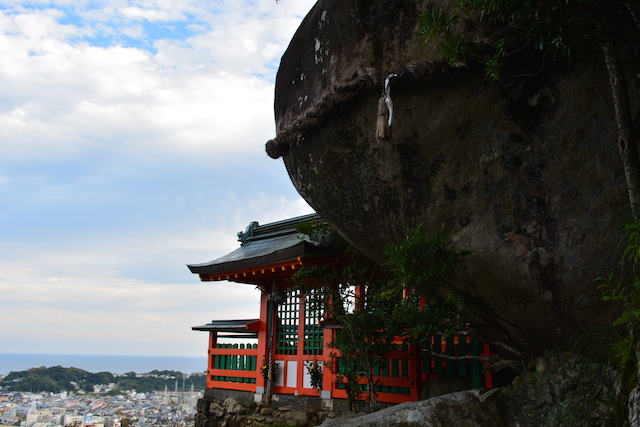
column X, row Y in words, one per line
column 132, row 140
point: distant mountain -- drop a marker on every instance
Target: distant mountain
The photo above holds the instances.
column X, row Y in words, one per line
column 58, row 378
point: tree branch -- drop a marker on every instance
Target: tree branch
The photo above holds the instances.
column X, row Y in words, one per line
column 627, row 146
column 466, row 357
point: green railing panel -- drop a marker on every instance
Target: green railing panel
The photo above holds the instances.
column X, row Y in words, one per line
column 384, row 367
column 216, row 363
column 234, row 362
column 393, row 390
column 471, row 367
column 450, row 351
column 475, row 363
column 395, row 368
column 437, row 348
column 313, row 340
column 462, row 350
column 287, row 324
column 238, row 362
column 405, row 368
column 242, row 363
column 313, row 315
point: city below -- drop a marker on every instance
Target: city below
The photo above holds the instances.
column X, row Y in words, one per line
column 106, row 406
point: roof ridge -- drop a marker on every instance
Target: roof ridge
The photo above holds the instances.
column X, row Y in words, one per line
column 255, row 231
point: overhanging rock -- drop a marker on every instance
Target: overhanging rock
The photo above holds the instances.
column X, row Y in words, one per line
column 526, row 173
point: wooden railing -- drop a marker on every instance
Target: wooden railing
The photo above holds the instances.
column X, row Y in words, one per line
column 460, row 355
column 394, row 378
column 399, row 376
column 233, row 366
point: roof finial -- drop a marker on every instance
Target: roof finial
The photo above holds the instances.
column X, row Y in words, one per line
column 248, row 232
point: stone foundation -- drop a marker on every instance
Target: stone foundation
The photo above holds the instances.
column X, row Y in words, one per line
column 231, row 408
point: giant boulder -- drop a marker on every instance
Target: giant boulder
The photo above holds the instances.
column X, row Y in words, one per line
column 524, row 172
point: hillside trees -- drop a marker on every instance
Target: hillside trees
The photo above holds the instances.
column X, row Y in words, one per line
column 55, row 379
column 58, row 378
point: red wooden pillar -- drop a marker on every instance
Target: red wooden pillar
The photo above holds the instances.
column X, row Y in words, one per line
column 263, row 339
column 360, row 295
column 213, row 341
column 407, row 291
column 415, row 370
column 488, row 376
column 300, row 371
column 328, row 377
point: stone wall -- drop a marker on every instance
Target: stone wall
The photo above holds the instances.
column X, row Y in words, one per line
column 237, row 409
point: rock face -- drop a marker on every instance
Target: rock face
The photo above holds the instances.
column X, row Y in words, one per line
column 461, row 409
column 560, row 389
column 524, row 172
column 566, row 390
column 212, row 412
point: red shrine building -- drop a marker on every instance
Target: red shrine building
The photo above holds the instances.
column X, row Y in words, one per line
column 284, row 351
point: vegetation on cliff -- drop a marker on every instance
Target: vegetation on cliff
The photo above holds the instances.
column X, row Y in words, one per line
column 504, row 34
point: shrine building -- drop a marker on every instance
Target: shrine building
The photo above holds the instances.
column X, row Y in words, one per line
column 272, row 356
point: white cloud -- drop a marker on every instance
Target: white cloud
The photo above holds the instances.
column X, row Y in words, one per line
column 132, row 12
column 116, row 317
column 132, row 144
column 200, row 94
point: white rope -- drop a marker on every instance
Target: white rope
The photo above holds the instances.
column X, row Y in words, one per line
column 387, row 96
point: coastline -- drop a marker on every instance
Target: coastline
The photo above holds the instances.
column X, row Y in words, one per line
column 116, row 364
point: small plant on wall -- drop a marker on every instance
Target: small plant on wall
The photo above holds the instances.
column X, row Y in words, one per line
column 264, row 369
column 314, row 368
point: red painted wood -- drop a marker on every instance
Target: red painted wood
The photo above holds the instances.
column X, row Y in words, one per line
column 231, row 373
column 226, row 385
column 234, row 351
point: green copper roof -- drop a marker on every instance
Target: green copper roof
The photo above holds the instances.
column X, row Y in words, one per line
column 243, row 328
column 267, row 244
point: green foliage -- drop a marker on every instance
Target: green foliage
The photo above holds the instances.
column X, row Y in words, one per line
column 54, row 379
column 380, row 318
column 623, row 288
column 264, row 370
column 364, row 337
column 598, row 343
column 336, row 278
column 435, row 23
column 559, row 29
column 438, row 24
column 322, row 233
column 423, row 263
column 314, row 368
column 424, row 266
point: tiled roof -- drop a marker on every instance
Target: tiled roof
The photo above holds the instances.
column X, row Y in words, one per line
column 261, row 246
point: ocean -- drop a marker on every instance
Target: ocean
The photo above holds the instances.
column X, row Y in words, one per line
column 94, row 363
